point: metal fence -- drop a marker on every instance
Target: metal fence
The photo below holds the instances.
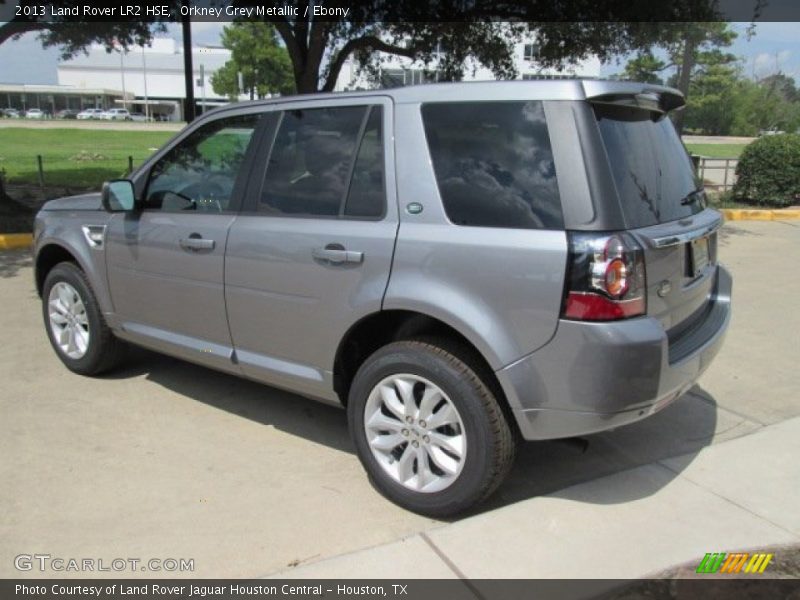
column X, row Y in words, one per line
column 716, row 173
column 40, row 169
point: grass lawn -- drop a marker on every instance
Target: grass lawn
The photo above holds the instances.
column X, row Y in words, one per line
column 717, row 150
column 75, row 158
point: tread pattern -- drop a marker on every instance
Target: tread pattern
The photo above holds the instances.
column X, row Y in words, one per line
column 458, row 357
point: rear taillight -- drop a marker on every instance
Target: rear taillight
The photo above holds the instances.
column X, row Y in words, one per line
column 605, row 277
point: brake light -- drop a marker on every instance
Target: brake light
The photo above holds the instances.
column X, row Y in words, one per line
column 605, row 277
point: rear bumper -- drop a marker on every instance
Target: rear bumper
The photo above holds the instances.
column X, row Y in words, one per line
column 596, row 376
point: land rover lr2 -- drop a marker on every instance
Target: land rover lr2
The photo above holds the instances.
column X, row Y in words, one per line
column 460, row 266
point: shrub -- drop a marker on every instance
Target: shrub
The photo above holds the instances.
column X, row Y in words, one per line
column 769, row 171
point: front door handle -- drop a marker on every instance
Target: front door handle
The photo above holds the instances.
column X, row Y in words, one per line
column 336, row 254
column 195, row 242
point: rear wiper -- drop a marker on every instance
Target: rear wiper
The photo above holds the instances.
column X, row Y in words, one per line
column 691, row 197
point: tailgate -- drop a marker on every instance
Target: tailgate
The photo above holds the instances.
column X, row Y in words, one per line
column 681, row 266
column 663, row 205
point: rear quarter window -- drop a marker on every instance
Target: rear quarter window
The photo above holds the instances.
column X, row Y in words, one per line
column 494, row 164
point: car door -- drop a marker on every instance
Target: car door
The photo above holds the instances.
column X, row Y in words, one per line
column 165, row 263
column 310, row 254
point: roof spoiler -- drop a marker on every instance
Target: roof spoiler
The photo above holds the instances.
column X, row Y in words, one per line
column 656, row 98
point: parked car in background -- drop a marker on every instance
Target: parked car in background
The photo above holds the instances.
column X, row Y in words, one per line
column 90, row 113
column 138, row 117
column 459, row 266
column 116, row 114
column 67, row 113
column 10, row 113
column 34, row 113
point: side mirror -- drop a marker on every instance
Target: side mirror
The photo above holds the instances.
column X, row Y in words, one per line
column 118, row 195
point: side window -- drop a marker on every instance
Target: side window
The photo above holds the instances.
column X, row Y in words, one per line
column 494, row 164
column 199, row 173
column 366, row 197
column 317, row 157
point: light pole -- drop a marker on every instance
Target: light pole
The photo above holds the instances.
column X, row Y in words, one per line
column 144, row 74
column 122, row 72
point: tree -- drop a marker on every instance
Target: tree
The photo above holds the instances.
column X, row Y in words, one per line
column 257, row 55
column 781, row 84
column 485, row 31
column 645, row 68
column 713, row 102
column 74, row 34
column 692, row 49
column 759, row 106
column 697, row 46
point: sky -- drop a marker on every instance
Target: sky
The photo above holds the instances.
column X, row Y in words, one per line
column 775, row 46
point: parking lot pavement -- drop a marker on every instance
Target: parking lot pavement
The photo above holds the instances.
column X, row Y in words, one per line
column 627, row 525
column 168, row 460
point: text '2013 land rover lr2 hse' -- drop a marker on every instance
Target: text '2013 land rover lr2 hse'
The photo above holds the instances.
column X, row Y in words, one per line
column 461, row 266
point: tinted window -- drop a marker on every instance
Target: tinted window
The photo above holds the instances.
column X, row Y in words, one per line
column 494, row 164
column 311, row 161
column 653, row 173
column 366, row 195
column 199, row 173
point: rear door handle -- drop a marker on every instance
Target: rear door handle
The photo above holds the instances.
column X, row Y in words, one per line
column 197, row 243
column 335, row 254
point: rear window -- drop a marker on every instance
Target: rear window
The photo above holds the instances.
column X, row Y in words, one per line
column 494, row 164
column 653, row 173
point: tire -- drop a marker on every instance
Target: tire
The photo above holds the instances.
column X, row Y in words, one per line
column 452, row 482
column 103, row 350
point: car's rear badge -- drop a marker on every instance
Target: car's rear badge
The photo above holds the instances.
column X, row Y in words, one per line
column 664, row 288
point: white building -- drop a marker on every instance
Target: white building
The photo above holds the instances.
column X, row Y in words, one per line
column 150, row 79
column 399, row 70
column 153, row 74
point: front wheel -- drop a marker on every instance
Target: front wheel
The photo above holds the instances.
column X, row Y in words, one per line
column 428, row 430
column 75, row 324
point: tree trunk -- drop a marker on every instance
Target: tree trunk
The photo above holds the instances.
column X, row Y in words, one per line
column 684, row 78
column 307, row 80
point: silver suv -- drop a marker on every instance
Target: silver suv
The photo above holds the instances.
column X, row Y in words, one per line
column 461, row 266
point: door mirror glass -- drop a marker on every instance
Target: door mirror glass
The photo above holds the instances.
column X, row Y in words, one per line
column 119, row 196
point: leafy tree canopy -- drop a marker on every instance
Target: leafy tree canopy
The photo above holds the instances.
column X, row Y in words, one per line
column 479, row 30
column 257, row 55
column 74, row 34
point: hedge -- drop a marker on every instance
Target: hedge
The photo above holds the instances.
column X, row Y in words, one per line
column 768, row 172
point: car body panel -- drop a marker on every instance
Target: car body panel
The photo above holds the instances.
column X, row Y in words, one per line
column 163, row 291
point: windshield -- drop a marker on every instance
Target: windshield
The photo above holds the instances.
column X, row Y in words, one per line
column 653, row 173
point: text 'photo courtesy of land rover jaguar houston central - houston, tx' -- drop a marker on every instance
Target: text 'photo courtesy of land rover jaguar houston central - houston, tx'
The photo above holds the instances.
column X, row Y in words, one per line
column 461, row 266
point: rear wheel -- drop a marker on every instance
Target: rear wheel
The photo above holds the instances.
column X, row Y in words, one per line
column 428, row 429
column 74, row 323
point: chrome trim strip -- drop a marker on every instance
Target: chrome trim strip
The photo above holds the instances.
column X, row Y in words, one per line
column 682, row 238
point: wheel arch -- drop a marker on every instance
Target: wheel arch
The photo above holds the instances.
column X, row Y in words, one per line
column 377, row 329
column 48, row 256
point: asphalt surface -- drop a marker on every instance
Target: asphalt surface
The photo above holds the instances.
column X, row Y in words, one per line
column 163, row 459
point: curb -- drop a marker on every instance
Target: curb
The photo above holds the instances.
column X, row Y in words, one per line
column 13, row 241
column 744, row 214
